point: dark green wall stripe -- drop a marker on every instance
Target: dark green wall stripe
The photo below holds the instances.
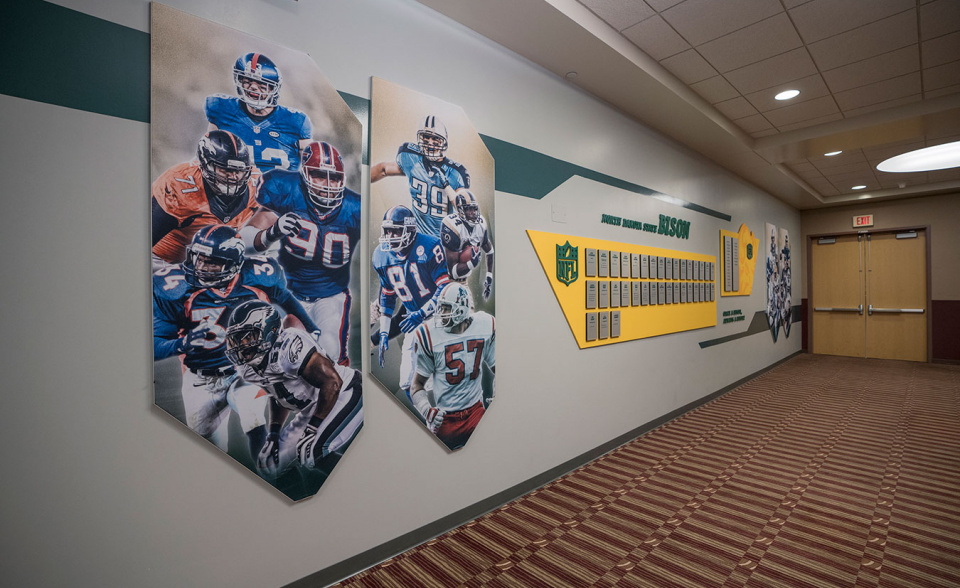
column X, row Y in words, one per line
column 71, row 59
column 64, row 57
column 757, row 325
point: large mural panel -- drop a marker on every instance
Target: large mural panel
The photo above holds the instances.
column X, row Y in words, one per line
column 255, row 163
column 432, row 238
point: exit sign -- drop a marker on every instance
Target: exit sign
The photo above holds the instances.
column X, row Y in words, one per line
column 864, row 220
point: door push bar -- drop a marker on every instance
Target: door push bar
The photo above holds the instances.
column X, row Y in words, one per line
column 858, row 309
column 871, row 310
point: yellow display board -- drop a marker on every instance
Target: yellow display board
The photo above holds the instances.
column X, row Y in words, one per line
column 748, row 250
column 563, row 261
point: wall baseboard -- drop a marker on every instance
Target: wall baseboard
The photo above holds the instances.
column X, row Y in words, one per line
column 385, row 551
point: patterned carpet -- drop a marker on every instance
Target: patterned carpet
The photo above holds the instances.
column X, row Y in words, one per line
column 825, row 471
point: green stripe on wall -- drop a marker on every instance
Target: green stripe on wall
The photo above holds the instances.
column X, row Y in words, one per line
column 71, row 59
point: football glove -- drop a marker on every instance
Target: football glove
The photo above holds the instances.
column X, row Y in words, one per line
column 269, row 459
column 412, row 321
column 204, row 336
column 434, row 418
column 382, row 346
column 487, row 286
column 286, row 225
column 307, row 448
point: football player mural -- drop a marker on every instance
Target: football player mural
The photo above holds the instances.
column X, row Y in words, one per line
column 432, row 238
column 779, row 281
column 256, row 232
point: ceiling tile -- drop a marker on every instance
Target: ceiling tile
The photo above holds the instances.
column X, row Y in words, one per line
column 656, row 38
column 820, row 19
column 939, row 18
column 810, row 87
column 875, row 69
column 689, row 67
column 795, row 113
column 803, row 167
column 882, row 105
column 894, row 180
column 941, row 76
column 661, row 5
column 715, row 89
column 751, row 44
column 944, row 175
column 868, row 41
column 937, row 138
column 849, row 157
column 942, row 92
column 879, row 92
column 882, row 152
column 810, row 122
column 941, row 50
column 753, row 124
column 736, row 108
column 862, row 167
column 619, row 14
column 787, row 67
column 765, row 133
column 700, row 21
column 794, row 3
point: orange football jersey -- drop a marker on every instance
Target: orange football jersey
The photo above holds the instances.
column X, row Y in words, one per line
column 180, row 193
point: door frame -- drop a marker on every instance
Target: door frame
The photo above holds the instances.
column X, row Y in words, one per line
column 809, row 272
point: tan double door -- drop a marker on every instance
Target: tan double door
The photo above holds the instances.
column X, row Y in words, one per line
column 869, row 295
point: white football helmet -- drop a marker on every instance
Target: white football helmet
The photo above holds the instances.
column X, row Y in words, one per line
column 432, row 139
column 453, row 306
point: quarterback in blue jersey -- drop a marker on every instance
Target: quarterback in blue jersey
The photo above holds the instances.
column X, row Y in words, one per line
column 191, row 304
column 317, row 222
column 432, row 176
column 275, row 133
column 413, row 269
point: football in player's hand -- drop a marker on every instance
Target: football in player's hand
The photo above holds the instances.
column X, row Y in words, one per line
column 467, row 253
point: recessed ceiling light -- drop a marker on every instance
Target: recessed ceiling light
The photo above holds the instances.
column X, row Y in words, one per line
column 570, row 75
column 832, row 153
column 926, row 159
column 861, row 187
column 787, row 94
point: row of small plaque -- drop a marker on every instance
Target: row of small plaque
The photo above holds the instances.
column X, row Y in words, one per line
column 731, row 264
column 603, row 325
column 602, row 263
column 614, row 294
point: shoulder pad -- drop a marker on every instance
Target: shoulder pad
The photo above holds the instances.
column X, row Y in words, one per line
column 460, row 169
column 409, row 148
column 450, row 235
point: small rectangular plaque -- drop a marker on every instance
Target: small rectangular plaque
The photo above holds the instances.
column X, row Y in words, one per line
column 668, row 270
column 591, row 262
column 661, row 292
column 624, row 293
column 644, row 266
column 676, row 292
column 635, row 293
column 644, row 293
column 614, row 264
column 604, row 299
column 615, row 323
column 615, row 293
column 603, row 263
column 591, row 326
column 591, row 293
column 676, row 268
column 634, row 265
column 661, row 267
column 624, row 265
column 604, row 324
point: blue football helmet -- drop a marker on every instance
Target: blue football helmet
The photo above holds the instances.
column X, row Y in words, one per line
column 432, row 139
column 398, row 230
column 214, row 257
column 225, row 163
column 252, row 330
column 259, row 69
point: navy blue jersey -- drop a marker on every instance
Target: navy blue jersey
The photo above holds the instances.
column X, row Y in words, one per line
column 429, row 200
column 316, row 260
column 274, row 139
column 178, row 307
column 413, row 279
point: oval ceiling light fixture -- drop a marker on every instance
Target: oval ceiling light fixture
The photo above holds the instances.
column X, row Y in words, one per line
column 926, row 159
column 787, row 94
column 860, row 187
column 571, row 75
column 832, row 153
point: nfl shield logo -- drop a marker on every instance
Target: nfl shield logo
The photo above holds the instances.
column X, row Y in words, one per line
column 567, row 263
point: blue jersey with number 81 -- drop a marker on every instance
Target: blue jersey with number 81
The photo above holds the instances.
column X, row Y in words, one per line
column 429, row 202
column 414, row 279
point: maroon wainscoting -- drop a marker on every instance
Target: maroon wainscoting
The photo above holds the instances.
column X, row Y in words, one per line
column 803, row 321
column 946, row 329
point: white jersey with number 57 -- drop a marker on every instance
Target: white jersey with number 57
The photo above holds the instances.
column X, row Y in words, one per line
column 456, row 360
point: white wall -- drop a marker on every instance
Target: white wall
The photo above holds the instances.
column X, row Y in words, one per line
column 102, row 489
